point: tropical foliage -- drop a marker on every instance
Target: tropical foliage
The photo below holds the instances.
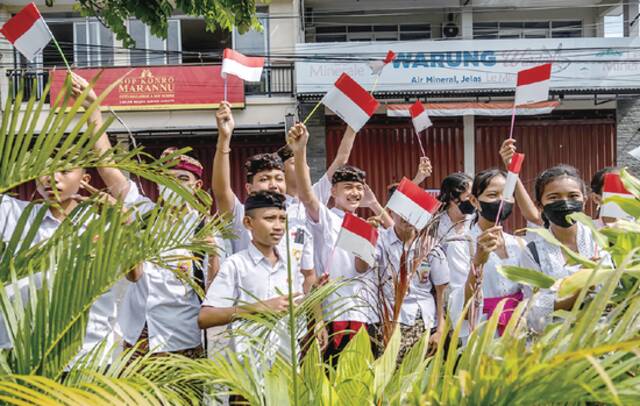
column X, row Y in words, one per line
column 218, row 14
column 587, row 355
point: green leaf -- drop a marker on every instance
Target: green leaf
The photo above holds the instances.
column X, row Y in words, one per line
column 526, row 276
column 385, row 366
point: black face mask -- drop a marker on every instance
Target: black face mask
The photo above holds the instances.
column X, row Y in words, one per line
column 466, row 207
column 558, row 211
column 489, row 210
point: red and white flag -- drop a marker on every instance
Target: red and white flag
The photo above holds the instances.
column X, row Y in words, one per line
column 533, row 85
column 414, row 204
column 246, row 68
column 359, row 238
column 513, row 172
column 613, row 186
column 350, row 102
column 419, row 116
column 27, row 31
column 377, row 66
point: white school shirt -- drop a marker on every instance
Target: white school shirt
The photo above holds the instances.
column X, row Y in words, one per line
column 102, row 314
column 447, row 231
column 167, row 305
column 553, row 263
column 299, row 236
column 493, row 283
column 350, row 302
column 419, row 297
column 247, row 277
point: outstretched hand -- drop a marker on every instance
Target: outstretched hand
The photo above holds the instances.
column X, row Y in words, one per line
column 224, row 120
column 424, row 170
column 78, row 85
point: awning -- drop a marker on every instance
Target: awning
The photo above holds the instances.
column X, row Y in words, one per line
column 475, row 109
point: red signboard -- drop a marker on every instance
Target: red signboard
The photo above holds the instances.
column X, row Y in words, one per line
column 160, row 87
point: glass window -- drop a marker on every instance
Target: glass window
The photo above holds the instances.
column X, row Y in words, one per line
column 566, row 29
column 93, row 44
column 485, row 30
column 253, row 42
column 152, row 50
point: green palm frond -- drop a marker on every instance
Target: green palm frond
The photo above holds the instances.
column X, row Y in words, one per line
column 47, row 330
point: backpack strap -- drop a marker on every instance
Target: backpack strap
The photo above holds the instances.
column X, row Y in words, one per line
column 534, row 252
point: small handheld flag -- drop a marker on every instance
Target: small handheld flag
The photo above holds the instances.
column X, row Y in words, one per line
column 358, row 238
column 377, row 66
column 419, row 116
column 413, row 204
column 27, row 31
column 350, row 102
column 246, row 68
column 513, row 172
column 613, row 186
column 533, row 85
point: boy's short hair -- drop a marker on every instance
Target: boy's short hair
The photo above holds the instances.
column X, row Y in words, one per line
column 185, row 162
column 285, row 153
column 262, row 162
column 264, row 199
column 348, row 173
column 391, row 189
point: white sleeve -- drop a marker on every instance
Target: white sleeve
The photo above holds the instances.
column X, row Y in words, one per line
column 306, row 261
column 134, row 199
column 439, row 269
column 10, row 211
column 223, row 290
column 243, row 238
column 458, row 262
column 322, row 189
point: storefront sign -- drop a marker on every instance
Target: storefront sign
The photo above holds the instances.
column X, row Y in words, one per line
column 578, row 63
column 160, row 87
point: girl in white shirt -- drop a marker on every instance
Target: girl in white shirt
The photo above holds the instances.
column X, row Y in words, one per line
column 474, row 274
column 559, row 192
column 457, row 209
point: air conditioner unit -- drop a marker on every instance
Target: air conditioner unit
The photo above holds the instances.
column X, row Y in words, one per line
column 450, row 29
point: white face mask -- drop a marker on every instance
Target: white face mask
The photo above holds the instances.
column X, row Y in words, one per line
column 169, row 196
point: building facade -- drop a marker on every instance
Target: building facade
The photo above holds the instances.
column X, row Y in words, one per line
column 461, row 59
column 458, row 56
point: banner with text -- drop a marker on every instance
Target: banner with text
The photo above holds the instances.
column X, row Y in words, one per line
column 160, row 87
column 578, row 63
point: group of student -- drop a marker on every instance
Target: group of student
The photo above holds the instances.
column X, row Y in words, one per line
column 162, row 314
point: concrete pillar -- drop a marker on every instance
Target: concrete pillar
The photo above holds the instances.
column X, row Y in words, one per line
column 317, row 147
column 628, row 133
column 469, row 145
column 466, row 23
column 6, row 59
column 631, row 21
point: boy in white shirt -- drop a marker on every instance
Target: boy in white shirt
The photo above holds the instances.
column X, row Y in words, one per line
column 255, row 280
column 347, row 308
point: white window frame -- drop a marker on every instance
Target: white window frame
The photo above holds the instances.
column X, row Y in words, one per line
column 89, row 23
column 165, row 44
column 522, row 32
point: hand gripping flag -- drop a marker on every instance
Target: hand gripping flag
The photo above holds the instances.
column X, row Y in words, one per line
column 413, row 204
column 27, row 31
column 377, row 66
column 533, row 85
column 613, row 186
column 359, row 238
column 513, row 172
column 246, row 68
column 419, row 116
column 350, row 102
